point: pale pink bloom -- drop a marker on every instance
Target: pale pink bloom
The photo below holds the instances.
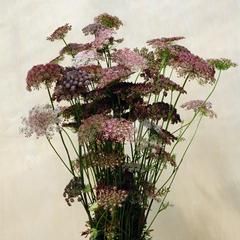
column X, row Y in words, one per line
column 85, row 57
column 112, row 74
column 42, row 121
column 102, row 37
column 130, row 59
column 117, row 130
column 200, row 106
column 189, row 64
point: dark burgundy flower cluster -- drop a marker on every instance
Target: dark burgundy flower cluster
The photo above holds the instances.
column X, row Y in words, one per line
column 155, row 111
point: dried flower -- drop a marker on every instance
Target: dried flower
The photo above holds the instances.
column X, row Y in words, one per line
column 187, row 64
column 117, row 130
column 108, row 21
column 60, row 33
column 113, row 74
column 130, row 59
column 200, row 106
column 43, row 74
column 110, row 197
column 221, row 63
column 42, row 121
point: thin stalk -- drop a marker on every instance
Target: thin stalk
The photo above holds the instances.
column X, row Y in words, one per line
column 54, row 149
column 175, row 173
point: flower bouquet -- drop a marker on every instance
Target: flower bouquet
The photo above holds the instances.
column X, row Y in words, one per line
column 122, row 106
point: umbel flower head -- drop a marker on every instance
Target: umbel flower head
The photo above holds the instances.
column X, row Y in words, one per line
column 43, row 74
column 42, row 121
column 117, row 130
column 60, row 33
column 221, row 63
column 110, row 197
column 200, row 106
column 130, row 59
column 188, row 64
column 103, row 127
column 108, row 21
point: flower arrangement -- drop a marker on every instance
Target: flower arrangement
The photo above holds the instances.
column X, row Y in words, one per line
column 122, row 106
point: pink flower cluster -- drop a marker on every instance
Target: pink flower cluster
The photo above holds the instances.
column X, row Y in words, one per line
column 110, row 197
column 130, row 59
column 112, row 74
column 42, row 121
column 91, row 128
column 200, row 106
column 102, row 37
column 85, row 57
column 117, row 130
column 187, row 63
column 45, row 74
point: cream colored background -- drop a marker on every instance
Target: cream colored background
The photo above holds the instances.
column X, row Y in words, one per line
column 207, row 192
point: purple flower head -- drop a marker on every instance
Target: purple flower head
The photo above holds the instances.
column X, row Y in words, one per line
column 73, row 83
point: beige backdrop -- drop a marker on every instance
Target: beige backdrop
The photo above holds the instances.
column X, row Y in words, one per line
column 206, row 196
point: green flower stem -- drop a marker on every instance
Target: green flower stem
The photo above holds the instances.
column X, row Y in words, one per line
column 69, row 138
column 54, row 149
column 176, row 101
column 61, row 136
column 66, row 46
column 173, row 175
column 196, row 113
column 137, row 78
